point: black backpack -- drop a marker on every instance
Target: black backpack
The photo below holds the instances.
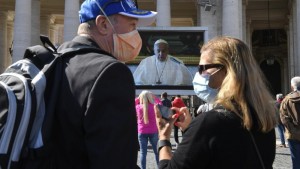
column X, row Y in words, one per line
column 28, row 94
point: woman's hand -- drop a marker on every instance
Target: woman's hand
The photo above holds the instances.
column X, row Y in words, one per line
column 184, row 117
column 164, row 127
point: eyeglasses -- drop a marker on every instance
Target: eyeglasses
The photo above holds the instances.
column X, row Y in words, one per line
column 202, row 68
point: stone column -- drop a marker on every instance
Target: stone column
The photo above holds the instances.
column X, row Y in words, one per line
column 52, row 32
column 56, row 34
column 249, row 33
column 297, row 37
column 211, row 19
column 291, row 66
column 232, row 18
column 22, row 28
column 294, row 55
column 198, row 22
column 3, row 41
column 163, row 13
column 285, row 61
column 35, row 22
column 45, row 25
column 59, row 32
column 244, row 21
column 71, row 19
column 10, row 30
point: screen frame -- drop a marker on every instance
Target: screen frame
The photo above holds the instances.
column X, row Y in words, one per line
column 193, row 63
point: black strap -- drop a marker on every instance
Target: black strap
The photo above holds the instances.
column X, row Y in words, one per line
column 82, row 48
column 47, row 43
column 77, row 49
column 163, row 143
column 257, row 151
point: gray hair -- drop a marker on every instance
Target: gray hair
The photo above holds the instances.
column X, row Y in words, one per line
column 295, row 83
column 159, row 41
column 86, row 27
column 279, row 96
column 156, row 45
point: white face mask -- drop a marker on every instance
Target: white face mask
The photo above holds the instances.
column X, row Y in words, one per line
column 127, row 46
column 202, row 90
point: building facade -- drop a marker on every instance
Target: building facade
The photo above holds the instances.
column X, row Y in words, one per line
column 270, row 27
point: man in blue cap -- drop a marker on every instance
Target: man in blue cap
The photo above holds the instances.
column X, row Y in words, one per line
column 95, row 119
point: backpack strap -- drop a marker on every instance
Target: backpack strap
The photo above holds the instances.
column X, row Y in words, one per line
column 40, row 56
column 257, row 151
column 78, row 49
column 44, row 56
column 47, row 43
column 82, row 48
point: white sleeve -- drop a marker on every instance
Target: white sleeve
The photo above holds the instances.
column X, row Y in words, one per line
column 145, row 72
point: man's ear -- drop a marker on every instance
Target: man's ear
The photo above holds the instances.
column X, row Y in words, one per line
column 101, row 24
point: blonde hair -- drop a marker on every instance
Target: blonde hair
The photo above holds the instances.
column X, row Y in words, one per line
column 244, row 85
column 146, row 97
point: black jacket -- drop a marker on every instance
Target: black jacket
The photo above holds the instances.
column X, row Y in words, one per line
column 216, row 139
column 95, row 120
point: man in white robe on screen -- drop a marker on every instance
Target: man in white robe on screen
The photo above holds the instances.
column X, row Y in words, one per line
column 161, row 68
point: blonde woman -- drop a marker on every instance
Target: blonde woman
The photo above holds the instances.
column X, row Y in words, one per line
column 147, row 129
column 238, row 133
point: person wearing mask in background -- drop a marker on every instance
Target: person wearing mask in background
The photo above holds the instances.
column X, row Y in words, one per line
column 147, row 129
column 162, row 68
column 280, row 126
column 289, row 115
column 95, row 116
column 239, row 132
column 177, row 102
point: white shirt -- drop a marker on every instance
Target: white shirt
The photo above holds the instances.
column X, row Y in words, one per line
column 204, row 108
column 172, row 71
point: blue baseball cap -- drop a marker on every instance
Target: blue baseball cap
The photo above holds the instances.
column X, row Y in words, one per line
column 90, row 9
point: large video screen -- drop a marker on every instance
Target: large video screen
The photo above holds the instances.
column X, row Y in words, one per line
column 183, row 57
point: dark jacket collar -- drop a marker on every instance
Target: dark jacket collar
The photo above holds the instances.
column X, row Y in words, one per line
column 85, row 40
column 79, row 41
